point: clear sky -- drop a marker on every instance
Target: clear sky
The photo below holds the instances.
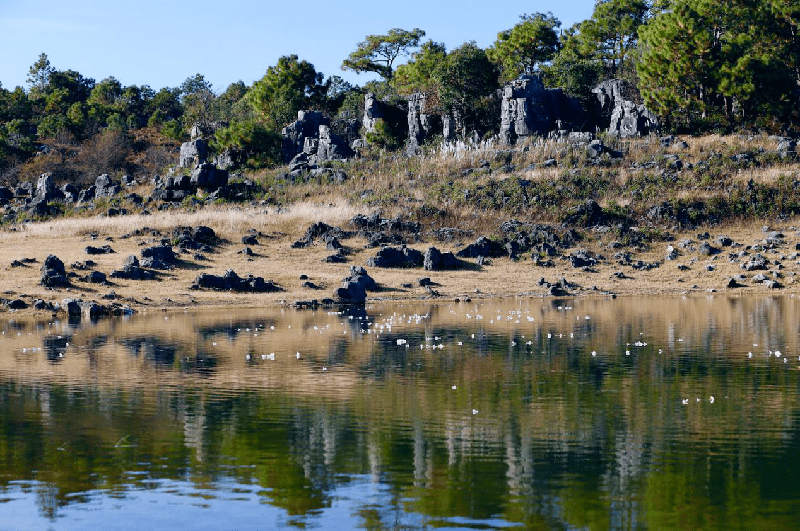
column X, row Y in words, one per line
column 162, row 42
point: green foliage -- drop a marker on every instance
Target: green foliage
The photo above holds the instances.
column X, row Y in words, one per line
column 383, row 136
column 287, row 87
column 250, row 143
column 39, row 74
column 612, row 31
column 708, row 63
column 422, row 72
column 524, row 47
column 467, row 79
column 173, row 129
column 377, row 53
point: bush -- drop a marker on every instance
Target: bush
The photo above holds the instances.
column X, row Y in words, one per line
column 250, row 144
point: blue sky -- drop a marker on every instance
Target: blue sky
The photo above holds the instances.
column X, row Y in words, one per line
column 162, row 42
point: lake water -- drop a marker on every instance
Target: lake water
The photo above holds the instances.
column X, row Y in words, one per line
column 601, row 414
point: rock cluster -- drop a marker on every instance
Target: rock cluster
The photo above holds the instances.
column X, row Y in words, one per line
column 230, row 281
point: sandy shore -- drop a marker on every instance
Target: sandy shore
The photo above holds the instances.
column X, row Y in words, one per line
column 274, row 259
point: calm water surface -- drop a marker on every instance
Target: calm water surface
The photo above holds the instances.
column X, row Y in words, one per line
column 600, row 414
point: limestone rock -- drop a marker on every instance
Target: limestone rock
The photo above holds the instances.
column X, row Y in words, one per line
column 193, row 153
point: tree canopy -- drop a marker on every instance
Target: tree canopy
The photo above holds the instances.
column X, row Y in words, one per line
column 377, row 53
column 527, row 45
column 289, row 86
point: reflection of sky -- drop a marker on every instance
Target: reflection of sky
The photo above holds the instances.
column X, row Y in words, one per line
column 181, row 505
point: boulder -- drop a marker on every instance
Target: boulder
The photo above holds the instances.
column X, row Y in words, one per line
column 132, row 271
column 193, row 153
column 359, row 275
column 230, row 281
column 46, row 189
column 397, row 257
column 483, row 247
column 158, row 257
column 53, row 273
column 435, row 260
column 631, row 120
column 208, row 177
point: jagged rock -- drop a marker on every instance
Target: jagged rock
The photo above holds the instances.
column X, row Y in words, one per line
column 672, row 253
column 421, row 124
column 200, row 238
column 250, row 239
column 360, row 276
column 528, row 108
column 95, row 277
column 294, row 134
column 16, row 304
column 435, row 260
column 87, row 194
column 193, row 153
column 484, row 247
column 631, row 120
column 756, row 263
column 46, row 189
column 394, row 257
column 230, row 281
column 354, row 288
column 331, row 146
column 621, row 117
column 587, row 214
column 105, row 186
column 53, row 273
column 584, row 258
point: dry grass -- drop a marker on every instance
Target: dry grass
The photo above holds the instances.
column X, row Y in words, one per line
column 226, row 220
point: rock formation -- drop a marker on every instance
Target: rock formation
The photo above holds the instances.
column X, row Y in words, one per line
column 619, row 116
column 528, row 108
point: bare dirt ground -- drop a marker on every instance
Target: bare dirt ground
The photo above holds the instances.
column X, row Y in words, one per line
column 274, row 259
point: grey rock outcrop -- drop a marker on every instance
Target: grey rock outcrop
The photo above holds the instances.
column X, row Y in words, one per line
column 295, row 134
column 331, row 146
column 528, row 108
column 620, row 116
column 46, row 189
column 421, row 124
column 104, row 186
column 630, row 120
column 397, row 257
column 193, row 153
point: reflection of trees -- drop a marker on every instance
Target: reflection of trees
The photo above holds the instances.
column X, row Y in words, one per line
column 561, row 440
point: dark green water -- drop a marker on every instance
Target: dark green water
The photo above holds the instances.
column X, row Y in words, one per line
column 649, row 413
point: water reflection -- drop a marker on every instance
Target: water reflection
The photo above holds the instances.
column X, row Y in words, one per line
column 597, row 414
